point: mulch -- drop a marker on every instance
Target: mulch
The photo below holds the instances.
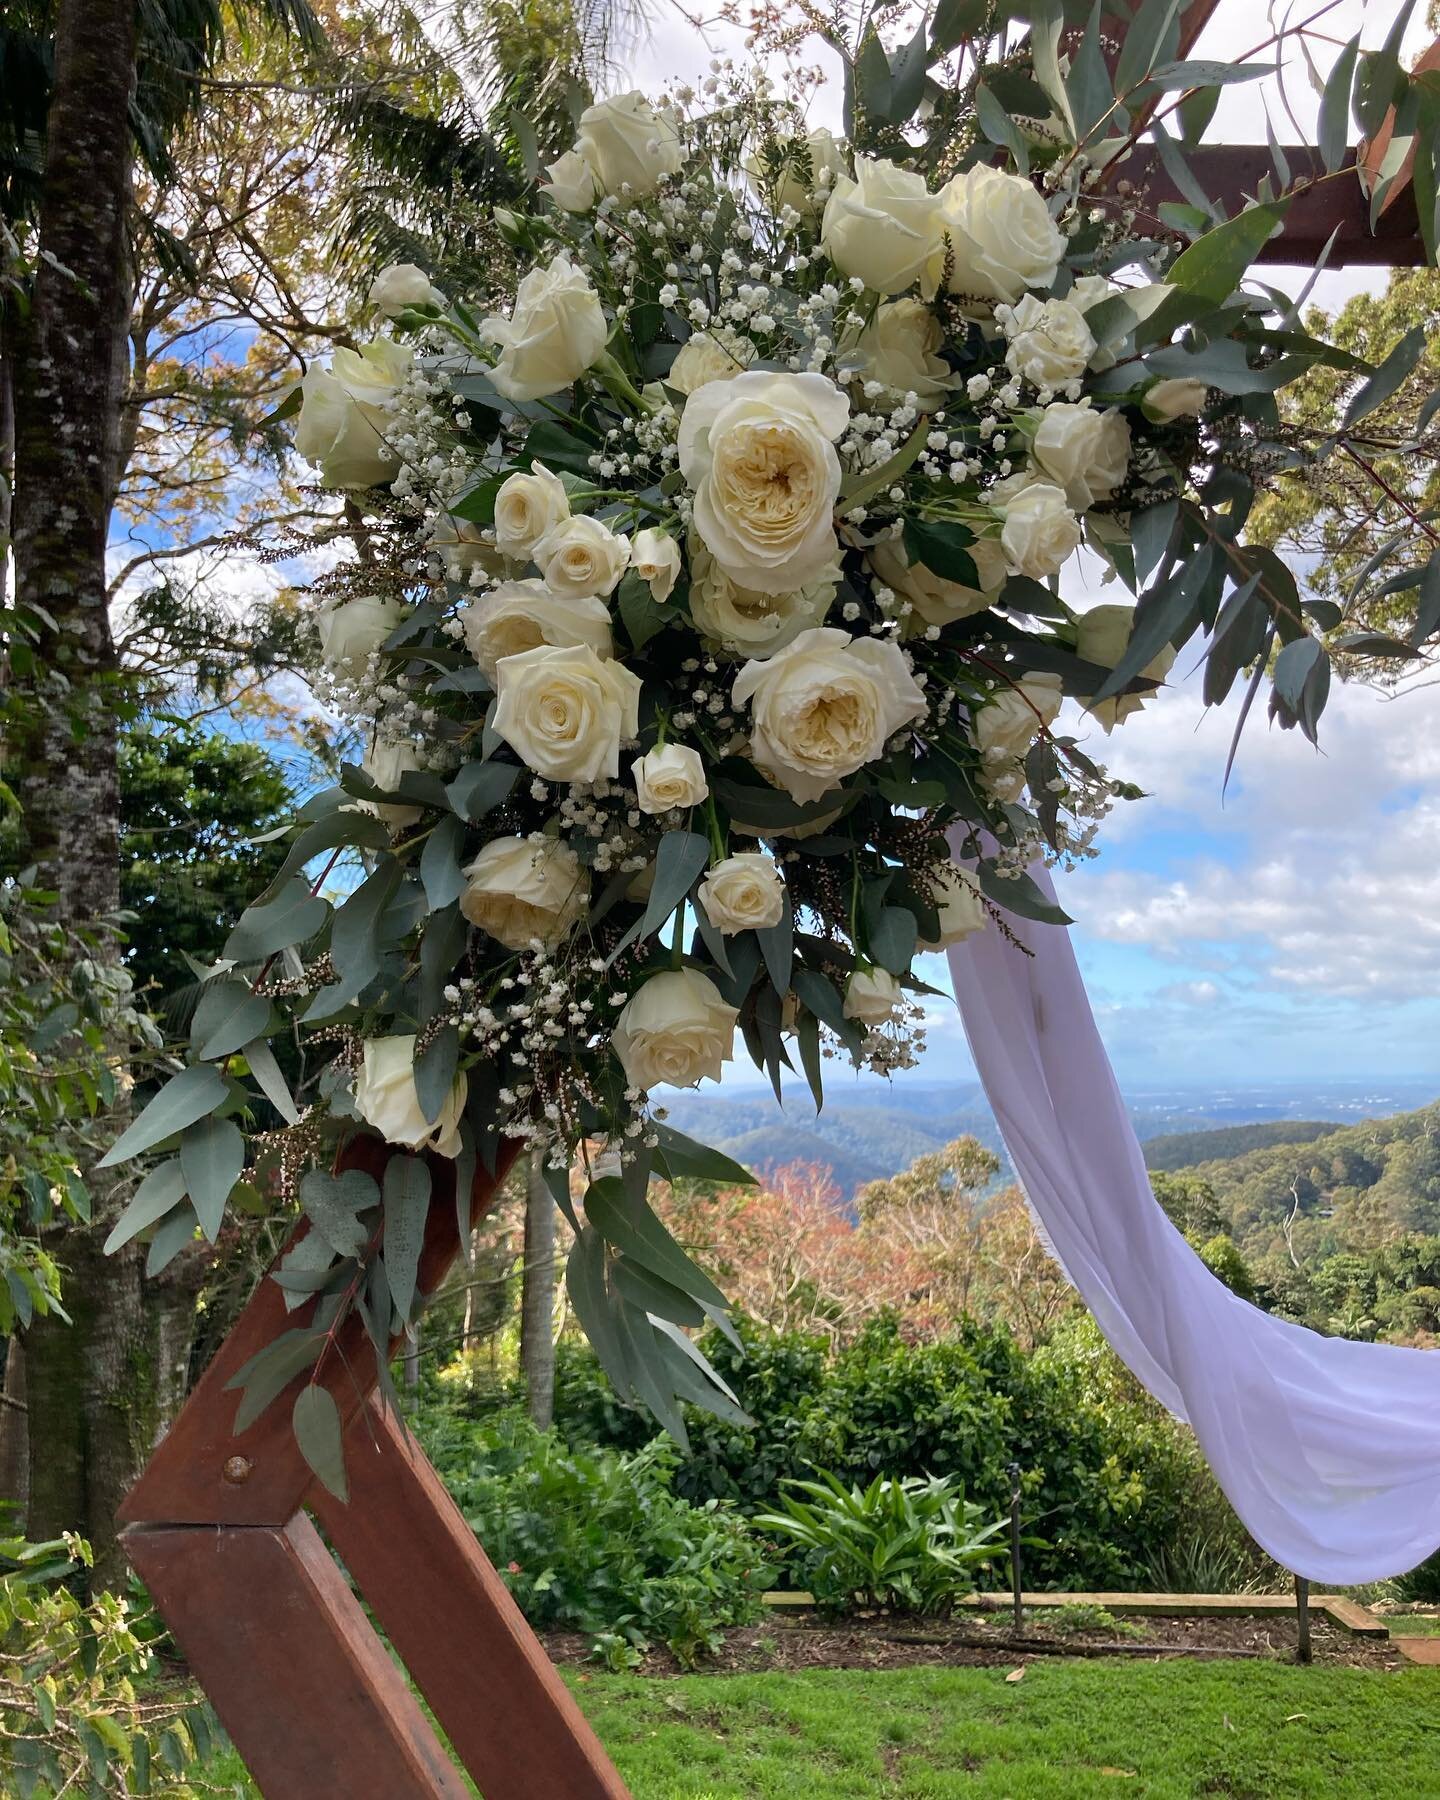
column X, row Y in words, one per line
column 809, row 1641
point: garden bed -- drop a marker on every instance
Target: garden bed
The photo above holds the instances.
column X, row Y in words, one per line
column 797, row 1640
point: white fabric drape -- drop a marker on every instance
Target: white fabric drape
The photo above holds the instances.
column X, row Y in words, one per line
column 1328, row 1450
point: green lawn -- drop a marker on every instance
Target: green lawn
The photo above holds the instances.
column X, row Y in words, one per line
column 1066, row 1729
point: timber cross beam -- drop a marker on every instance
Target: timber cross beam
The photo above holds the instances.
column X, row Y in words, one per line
column 225, row 1530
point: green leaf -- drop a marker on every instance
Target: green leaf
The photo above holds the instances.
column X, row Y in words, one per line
column 294, row 916
column 685, row 1159
column 956, row 20
column 1207, row 74
column 1092, row 98
column 1333, row 132
column 864, row 484
column 1001, row 129
column 1149, row 37
column 642, row 613
column 1151, row 530
column 893, row 938
column 479, row 787
column 777, row 946
column 440, row 869
column 1389, row 378
column 162, row 1189
column 647, row 1290
column 944, row 550
column 227, row 1016
column 212, row 1158
column 627, row 1221
column 557, row 448
column 316, row 1424
column 441, row 947
column 1047, row 21
column 1213, row 266
column 435, row 1071
column 173, row 1235
column 271, row 1370
column 407, row 1204
column 1019, row 894
column 681, row 860
column 333, row 1203
column 907, row 75
column 872, row 75
column 589, row 1295
column 186, row 1097
column 1164, row 616
column 342, row 828
column 272, row 1083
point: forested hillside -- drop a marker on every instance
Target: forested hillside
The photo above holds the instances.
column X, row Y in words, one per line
column 1183, row 1149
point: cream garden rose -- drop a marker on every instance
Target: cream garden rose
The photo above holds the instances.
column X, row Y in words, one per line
column 386, row 1100
column 628, row 145
column 1000, row 236
column 581, row 556
column 1086, row 451
column 1008, row 724
column 759, row 452
column 1101, row 636
column 669, row 777
column 572, row 184
column 873, row 996
column 655, row 558
column 883, row 226
column 709, row 356
column 464, row 548
column 518, row 616
column 743, row 892
column 747, row 623
column 677, row 1029
column 344, row 421
column 565, row 712
column 526, row 508
column 962, row 911
column 806, row 171
column 401, row 286
column 824, row 706
column 936, row 601
column 1040, row 533
column 555, row 332
column 1165, row 401
column 351, row 631
column 1049, row 342
column 900, row 349
column 385, row 762
column 522, row 889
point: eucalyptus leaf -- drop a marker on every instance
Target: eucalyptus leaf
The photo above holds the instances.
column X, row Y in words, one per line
column 212, row 1158
column 192, row 1094
column 315, row 1421
column 406, row 1207
column 267, row 1073
column 292, row 917
column 440, row 869
column 1019, row 894
column 227, row 1015
column 628, row 1223
column 162, row 1189
column 333, row 1203
column 435, row 1071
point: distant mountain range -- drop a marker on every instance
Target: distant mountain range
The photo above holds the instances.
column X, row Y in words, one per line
column 870, row 1129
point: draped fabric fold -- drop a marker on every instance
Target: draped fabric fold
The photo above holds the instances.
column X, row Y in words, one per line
column 1328, row 1450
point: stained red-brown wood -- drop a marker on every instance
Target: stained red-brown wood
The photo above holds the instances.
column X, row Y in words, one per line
column 203, row 1473
column 217, row 1526
column 456, row 1626
column 300, row 1681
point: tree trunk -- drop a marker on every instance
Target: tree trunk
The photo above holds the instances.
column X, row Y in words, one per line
column 91, row 1383
column 14, row 1441
column 537, row 1296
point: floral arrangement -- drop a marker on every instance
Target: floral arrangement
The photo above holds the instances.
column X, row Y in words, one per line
column 707, row 639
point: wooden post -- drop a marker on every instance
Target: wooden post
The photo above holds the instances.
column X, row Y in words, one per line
column 219, row 1527
column 1302, row 1618
column 1017, row 1585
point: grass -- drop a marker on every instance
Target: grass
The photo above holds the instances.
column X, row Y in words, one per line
column 1064, row 1731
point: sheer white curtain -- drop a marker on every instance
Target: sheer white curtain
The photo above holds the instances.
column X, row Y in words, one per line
column 1328, row 1450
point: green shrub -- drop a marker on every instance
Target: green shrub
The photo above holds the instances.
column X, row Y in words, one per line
column 1420, row 1586
column 597, row 1542
column 915, row 1545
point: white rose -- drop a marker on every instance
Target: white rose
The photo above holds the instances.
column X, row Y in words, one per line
column 1008, row 724
column 1167, row 400
column 519, row 889
column 1050, row 343
column 669, row 777
column 759, row 452
column 403, row 285
column 935, row 600
column 526, row 507
column 351, row 631
column 743, row 893
column 564, row 712
column 1101, row 636
column 709, row 356
column 962, row 911
column 1087, row 452
column 824, row 706
column 883, row 226
column 873, row 996
column 628, row 145
column 518, row 616
column 572, row 184
column 676, row 1029
column 344, row 418
column 581, row 556
column 655, row 558
column 385, row 1098
column 805, row 172
column 385, row 763
column 463, row 547
column 555, row 332
column 1001, row 237
column 900, row 349
column 749, row 624
column 1040, row 532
